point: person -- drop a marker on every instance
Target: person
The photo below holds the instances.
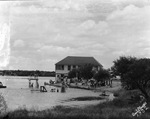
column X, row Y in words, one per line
column 1, row 84
column 76, row 81
column 111, row 83
column 51, row 82
column 63, row 87
column 32, row 85
column 111, row 97
column 65, row 79
column 142, row 99
column 68, row 81
column 95, row 84
column 104, row 93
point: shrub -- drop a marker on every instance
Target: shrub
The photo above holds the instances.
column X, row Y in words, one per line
column 3, row 105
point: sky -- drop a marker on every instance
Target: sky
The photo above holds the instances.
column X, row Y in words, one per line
column 34, row 35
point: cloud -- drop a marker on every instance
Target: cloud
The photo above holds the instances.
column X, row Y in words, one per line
column 52, row 30
column 65, row 5
column 19, row 43
column 91, row 28
column 45, row 6
column 124, row 3
column 28, row 64
column 87, row 24
column 131, row 29
column 56, row 51
column 130, row 12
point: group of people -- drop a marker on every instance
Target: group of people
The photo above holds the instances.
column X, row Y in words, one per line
column 30, row 85
column 91, row 82
column 54, row 90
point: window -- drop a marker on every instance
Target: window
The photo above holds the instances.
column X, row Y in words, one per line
column 69, row 67
column 59, row 67
column 79, row 66
column 62, row 67
column 74, row 66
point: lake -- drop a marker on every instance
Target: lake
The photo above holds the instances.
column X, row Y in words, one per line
column 18, row 94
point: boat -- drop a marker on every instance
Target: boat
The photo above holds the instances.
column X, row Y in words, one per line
column 1, row 85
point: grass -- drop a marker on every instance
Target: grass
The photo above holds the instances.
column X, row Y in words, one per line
column 119, row 108
column 87, row 98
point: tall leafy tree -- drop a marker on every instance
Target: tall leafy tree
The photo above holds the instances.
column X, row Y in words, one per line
column 73, row 73
column 139, row 76
column 121, row 65
column 102, row 75
column 134, row 73
column 121, row 68
column 86, row 71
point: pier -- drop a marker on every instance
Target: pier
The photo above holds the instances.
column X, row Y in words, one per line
column 35, row 78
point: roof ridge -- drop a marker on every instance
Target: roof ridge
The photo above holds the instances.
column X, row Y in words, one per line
column 80, row 56
column 78, row 60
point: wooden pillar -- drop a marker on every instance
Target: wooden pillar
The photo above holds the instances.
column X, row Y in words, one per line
column 29, row 83
column 37, row 84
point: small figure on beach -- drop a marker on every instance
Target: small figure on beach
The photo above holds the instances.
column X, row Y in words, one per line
column 51, row 82
column 53, row 90
column 31, row 85
column 104, row 93
column 1, row 84
column 63, row 88
column 111, row 97
column 43, row 89
column 142, row 99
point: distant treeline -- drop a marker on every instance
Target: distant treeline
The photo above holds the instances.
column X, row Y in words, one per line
column 26, row 73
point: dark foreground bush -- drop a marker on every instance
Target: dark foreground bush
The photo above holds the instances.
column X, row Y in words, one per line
column 107, row 110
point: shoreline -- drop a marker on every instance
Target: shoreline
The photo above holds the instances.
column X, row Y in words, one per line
column 116, row 86
column 119, row 108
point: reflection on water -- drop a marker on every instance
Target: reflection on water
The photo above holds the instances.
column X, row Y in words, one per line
column 17, row 94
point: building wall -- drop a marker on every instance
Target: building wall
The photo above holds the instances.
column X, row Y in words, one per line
column 65, row 71
column 61, row 72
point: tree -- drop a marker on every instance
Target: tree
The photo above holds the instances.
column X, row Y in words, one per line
column 3, row 105
column 73, row 73
column 134, row 73
column 121, row 68
column 101, row 75
column 121, row 65
column 139, row 76
column 86, row 71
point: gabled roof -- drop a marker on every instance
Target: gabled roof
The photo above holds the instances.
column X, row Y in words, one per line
column 74, row 60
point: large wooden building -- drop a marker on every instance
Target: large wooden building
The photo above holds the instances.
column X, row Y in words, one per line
column 63, row 67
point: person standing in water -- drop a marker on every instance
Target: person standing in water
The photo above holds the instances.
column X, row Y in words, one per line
column 63, row 87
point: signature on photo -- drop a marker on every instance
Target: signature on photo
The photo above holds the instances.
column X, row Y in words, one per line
column 139, row 110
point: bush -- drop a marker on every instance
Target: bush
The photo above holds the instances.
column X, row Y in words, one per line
column 3, row 105
column 116, row 94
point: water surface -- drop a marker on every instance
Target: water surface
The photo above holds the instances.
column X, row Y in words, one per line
column 18, row 94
